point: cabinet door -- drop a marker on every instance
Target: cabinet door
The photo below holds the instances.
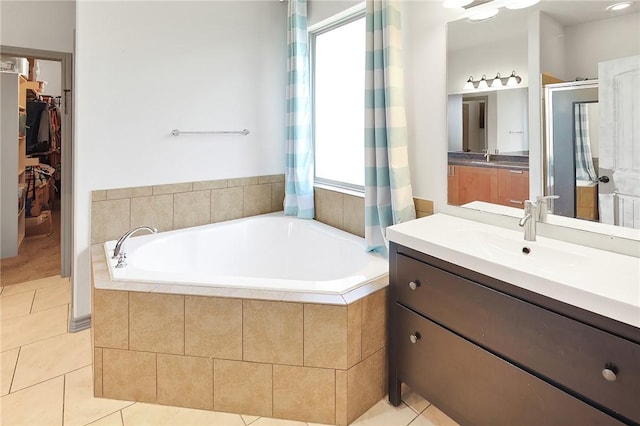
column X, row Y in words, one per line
column 452, row 185
column 475, row 387
column 513, row 187
column 477, row 184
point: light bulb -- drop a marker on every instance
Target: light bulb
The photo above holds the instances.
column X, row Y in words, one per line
column 513, row 80
column 521, row 4
column 469, row 84
column 496, row 81
column 483, row 83
column 484, row 15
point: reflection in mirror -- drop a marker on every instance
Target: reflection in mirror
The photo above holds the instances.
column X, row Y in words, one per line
column 570, row 155
column 574, row 41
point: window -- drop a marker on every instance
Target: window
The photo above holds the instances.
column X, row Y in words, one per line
column 338, row 103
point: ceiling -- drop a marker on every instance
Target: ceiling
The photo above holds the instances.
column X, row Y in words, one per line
column 464, row 33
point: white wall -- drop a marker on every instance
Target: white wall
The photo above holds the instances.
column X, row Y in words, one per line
column 512, row 131
column 145, row 68
column 454, row 122
column 501, row 57
column 44, row 25
column 552, row 47
column 598, row 41
column 51, row 72
column 425, row 56
column 319, row 10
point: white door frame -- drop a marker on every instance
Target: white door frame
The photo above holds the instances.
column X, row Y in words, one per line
column 66, row 146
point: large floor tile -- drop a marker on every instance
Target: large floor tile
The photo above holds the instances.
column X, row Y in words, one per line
column 31, row 328
column 52, row 357
column 80, row 406
column 160, row 415
column 385, row 414
column 249, row 419
column 51, row 297
column 433, row 417
column 37, row 405
column 114, row 419
column 33, row 285
column 413, row 400
column 7, row 367
column 16, row 305
column 266, row 421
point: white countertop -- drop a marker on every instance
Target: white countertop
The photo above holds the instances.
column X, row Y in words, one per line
column 595, row 280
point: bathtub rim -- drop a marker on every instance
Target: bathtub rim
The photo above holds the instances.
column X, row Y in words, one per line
column 102, row 279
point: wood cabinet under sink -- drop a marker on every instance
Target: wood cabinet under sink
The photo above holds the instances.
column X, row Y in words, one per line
column 489, row 352
column 506, row 186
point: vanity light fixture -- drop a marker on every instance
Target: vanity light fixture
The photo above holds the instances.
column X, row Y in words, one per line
column 469, row 85
column 521, row 4
column 619, row 6
column 514, row 79
column 495, row 83
column 483, row 83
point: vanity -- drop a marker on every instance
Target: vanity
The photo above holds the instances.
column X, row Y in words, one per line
column 499, row 179
column 496, row 330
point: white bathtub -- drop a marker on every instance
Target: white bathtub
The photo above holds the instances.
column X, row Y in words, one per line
column 266, row 252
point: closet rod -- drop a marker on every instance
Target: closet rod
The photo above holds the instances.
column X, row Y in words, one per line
column 244, row 132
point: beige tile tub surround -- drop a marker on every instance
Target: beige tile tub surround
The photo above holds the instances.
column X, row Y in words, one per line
column 307, row 362
column 182, row 205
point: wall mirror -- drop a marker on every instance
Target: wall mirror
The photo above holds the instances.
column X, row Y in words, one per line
column 562, row 48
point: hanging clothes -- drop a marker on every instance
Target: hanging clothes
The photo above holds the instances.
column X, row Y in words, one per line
column 43, row 127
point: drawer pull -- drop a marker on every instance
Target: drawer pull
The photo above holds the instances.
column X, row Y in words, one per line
column 609, row 373
column 414, row 337
column 517, row 172
column 414, row 285
column 520, row 203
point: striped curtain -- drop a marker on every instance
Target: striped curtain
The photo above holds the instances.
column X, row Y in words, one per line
column 388, row 194
column 585, row 169
column 298, row 200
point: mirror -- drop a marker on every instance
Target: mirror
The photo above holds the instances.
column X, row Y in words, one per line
column 574, row 39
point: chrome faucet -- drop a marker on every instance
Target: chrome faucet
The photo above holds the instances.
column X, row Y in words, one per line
column 543, row 206
column 529, row 220
column 487, row 155
column 118, row 252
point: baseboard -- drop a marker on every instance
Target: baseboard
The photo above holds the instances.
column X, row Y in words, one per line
column 80, row 323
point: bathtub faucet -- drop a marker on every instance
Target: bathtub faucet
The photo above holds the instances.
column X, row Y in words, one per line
column 118, row 252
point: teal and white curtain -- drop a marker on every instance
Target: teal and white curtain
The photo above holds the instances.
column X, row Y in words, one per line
column 388, row 195
column 298, row 200
column 585, row 169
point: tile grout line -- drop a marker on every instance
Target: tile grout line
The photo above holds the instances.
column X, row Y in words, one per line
column 33, row 300
column 64, row 388
column 15, row 368
column 50, row 378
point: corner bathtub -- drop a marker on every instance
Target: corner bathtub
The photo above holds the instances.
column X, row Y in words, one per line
column 267, row 252
column 267, row 311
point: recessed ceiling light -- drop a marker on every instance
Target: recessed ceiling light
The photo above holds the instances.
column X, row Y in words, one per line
column 452, row 4
column 484, row 15
column 521, row 4
column 619, row 6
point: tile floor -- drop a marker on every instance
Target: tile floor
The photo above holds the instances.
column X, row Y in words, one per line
column 46, row 376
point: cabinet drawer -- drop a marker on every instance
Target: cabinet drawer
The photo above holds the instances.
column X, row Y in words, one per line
column 476, row 387
column 558, row 348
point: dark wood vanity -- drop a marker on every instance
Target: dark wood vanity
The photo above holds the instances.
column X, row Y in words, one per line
column 487, row 352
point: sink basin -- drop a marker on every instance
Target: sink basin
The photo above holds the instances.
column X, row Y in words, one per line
column 600, row 281
column 519, row 253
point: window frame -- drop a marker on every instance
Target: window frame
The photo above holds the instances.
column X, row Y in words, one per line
column 346, row 17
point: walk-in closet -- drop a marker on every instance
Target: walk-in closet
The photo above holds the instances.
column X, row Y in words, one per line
column 32, row 102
